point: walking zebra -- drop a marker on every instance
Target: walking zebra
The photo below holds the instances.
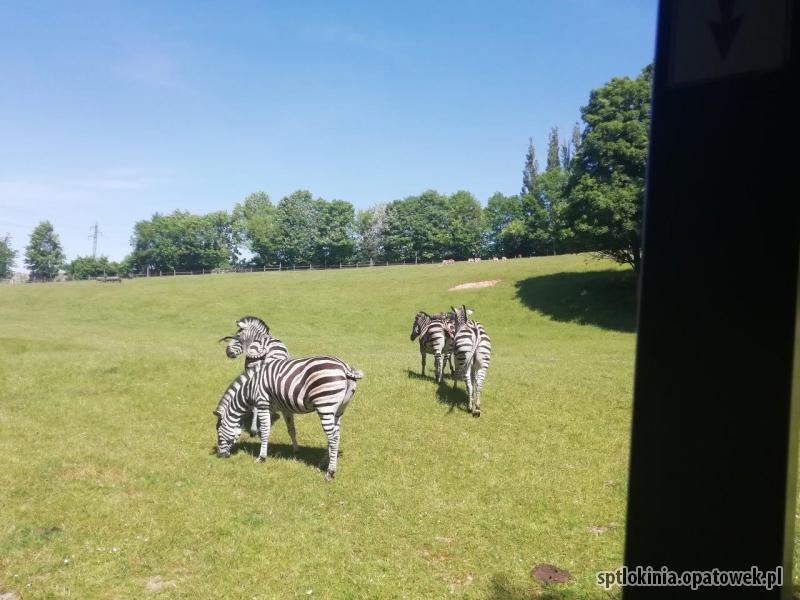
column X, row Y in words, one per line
column 324, row 384
column 435, row 335
column 472, row 348
column 254, row 341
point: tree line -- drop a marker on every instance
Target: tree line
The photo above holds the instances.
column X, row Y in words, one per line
column 588, row 197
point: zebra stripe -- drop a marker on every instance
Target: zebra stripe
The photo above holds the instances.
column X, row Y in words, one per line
column 321, row 384
column 472, row 348
column 435, row 335
column 258, row 346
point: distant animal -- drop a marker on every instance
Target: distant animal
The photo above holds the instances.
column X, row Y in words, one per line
column 448, row 261
column 504, row 258
column 472, row 348
column 470, row 260
column 477, row 259
column 495, row 258
column 113, row 279
column 321, row 384
column 258, row 346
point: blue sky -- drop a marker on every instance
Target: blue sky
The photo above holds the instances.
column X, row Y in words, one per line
column 111, row 111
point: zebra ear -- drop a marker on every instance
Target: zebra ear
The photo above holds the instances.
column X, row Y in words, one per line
column 240, row 324
column 215, row 412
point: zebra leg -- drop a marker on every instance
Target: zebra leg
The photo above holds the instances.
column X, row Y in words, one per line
column 264, row 424
column 422, row 353
column 254, row 424
column 480, row 376
column 468, row 384
column 289, row 417
column 437, row 358
column 450, row 362
column 331, row 429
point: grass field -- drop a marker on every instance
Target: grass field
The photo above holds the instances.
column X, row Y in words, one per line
column 108, row 488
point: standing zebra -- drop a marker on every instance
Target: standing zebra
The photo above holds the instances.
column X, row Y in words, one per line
column 473, row 349
column 324, row 384
column 258, row 346
column 435, row 337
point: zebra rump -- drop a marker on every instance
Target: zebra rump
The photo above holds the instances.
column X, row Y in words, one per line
column 472, row 349
column 321, row 384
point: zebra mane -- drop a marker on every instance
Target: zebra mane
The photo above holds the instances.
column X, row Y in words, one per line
column 254, row 322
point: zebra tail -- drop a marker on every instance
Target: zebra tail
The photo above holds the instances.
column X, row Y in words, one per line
column 468, row 362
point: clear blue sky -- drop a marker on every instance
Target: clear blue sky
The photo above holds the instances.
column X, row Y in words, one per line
column 111, row 111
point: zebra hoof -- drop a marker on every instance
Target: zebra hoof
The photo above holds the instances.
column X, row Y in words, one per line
column 476, row 413
column 260, row 460
column 329, row 476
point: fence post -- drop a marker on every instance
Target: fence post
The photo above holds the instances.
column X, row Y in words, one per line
column 173, row 272
column 293, row 266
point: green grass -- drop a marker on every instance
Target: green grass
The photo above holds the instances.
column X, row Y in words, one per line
column 106, row 432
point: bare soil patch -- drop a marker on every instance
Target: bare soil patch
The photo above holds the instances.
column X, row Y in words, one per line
column 476, row 284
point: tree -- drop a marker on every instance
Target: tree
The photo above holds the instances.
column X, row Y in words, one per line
column 254, row 226
column 371, row 227
column 184, row 242
column 576, row 138
column 84, row 267
column 43, row 255
column 335, row 235
column 531, row 169
column 465, row 226
column 296, row 228
column 416, row 227
column 553, row 160
column 7, row 257
column 606, row 187
column 505, row 225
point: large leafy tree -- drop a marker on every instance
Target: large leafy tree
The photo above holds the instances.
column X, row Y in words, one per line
column 255, row 226
column 183, row 241
column 530, row 171
column 606, row 187
column 371, row 229
column 505, row 225
column 465, row 226
column 335, row 235
column 7, row 257
column 296, row 227
column 416, row 227
column 43, row 255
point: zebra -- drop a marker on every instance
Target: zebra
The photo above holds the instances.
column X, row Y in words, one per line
column 435, row 333
column 254, row 341
column 324, row 384
column 472, row 348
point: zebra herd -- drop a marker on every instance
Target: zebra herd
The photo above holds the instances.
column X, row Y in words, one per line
column 449, row 334
column 273, row 384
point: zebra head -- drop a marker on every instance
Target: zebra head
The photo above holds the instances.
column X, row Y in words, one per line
column 226, row 436
column 461, row 316
column 421, row 321
column 249, row 339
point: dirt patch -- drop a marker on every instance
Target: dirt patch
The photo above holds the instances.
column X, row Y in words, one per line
column 156, row 584
column 8, row 596
column 476, row 284
column 550, row 574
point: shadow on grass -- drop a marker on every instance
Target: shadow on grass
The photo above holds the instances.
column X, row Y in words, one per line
column 606, row 299
column 454, row 398
column 503, row 589
column 312, row 456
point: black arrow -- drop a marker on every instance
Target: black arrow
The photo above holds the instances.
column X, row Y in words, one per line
column 725, row 30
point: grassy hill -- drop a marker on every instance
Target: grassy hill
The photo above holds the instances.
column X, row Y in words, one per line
column 109, row 489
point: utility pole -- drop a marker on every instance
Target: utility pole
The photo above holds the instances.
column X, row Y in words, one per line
column 95, row 232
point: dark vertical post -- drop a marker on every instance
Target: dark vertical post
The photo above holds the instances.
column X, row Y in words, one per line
column 713, row 455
